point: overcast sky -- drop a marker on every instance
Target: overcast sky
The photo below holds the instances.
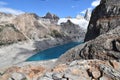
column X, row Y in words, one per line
column 62, row 8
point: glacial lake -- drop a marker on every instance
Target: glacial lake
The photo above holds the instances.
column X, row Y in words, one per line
column 53, row 52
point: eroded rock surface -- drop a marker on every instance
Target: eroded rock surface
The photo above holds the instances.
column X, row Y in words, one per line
column 84, row 70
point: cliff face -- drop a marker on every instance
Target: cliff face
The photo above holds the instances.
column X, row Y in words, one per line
column 105, row 17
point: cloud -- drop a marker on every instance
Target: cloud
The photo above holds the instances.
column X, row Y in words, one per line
column 84, row 11
column 95, row 3
column 3, row 3
column 74, row 6
column 10, row 10
column 5, row 9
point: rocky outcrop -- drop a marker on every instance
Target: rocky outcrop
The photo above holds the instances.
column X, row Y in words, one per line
column 75, row 32
column 87, row 15
column 51, row 16
column 105, row 17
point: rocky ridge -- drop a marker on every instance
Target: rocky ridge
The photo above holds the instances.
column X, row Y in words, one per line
column 87, row 15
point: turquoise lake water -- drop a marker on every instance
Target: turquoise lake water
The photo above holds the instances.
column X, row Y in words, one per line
column 54, row 52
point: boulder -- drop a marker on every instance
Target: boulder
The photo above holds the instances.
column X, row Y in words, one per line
column 18, row 76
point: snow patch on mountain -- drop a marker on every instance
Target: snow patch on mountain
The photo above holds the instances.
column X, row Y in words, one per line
column 79, row 21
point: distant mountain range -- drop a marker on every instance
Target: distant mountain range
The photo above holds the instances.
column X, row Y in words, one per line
column 21, row 36
column 29, row 26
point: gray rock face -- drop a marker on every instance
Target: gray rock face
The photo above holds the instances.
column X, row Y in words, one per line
column 87, row 15
column 105, row 17
column 111, row 72
column 51, row 16
column 73, row 31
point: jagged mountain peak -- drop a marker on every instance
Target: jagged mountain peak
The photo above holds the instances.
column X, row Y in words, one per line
column 69, row 22
column 51, row 16
column 87, row 14
column 79, row 20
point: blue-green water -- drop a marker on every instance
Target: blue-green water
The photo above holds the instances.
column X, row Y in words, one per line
column 54, row 52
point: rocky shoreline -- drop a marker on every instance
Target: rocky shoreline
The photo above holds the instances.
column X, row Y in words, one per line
column 23, row 50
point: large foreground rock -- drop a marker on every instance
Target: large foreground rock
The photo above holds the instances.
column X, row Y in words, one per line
column 26, row 70
column 84, row 70
column 75, row 70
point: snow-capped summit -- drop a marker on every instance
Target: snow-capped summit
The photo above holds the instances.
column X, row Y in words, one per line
column 79, row 20
column 79, row 16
